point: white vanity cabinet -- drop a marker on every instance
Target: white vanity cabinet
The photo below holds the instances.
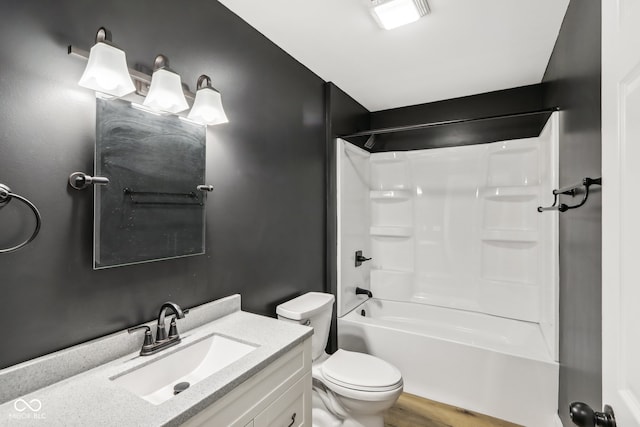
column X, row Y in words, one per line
column 277, row 396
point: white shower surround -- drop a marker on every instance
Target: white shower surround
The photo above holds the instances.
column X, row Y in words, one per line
column 455, row 228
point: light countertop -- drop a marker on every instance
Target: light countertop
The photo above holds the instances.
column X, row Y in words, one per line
column 59, row 395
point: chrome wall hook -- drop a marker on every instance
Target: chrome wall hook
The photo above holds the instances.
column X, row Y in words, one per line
column 573, row 191
column 80, row 180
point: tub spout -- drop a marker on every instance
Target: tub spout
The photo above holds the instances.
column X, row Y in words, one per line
column 360, row 291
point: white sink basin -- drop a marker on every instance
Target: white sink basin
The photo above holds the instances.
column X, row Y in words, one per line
column 155, row 381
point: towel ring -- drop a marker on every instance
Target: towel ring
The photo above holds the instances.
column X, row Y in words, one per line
column 5, row 197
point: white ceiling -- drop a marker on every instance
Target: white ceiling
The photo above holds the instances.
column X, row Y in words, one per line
column 463, row 47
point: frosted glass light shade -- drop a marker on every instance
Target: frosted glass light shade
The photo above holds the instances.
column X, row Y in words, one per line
column 165, row 92
column 207, row 108
column 395, row 13
column 107, row 71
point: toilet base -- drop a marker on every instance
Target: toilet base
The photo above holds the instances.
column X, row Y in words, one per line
column 320, row 415
column 324, row 417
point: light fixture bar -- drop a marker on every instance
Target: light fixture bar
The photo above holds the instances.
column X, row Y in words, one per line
column 136, row 75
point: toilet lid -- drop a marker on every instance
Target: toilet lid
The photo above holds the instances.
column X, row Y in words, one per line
column 361, row 371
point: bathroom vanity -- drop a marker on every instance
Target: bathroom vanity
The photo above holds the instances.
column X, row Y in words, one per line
column 243, row 370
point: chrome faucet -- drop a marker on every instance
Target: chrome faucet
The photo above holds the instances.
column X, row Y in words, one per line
column 161, row 332
column 162, row 340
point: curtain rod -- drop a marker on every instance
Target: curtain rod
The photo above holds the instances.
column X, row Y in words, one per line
column 445, row 122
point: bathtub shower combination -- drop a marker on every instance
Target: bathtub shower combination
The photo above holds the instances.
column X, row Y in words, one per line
column 464, row 271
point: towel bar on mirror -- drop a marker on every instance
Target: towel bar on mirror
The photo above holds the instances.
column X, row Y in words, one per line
column 168, row 198
column 162, row 198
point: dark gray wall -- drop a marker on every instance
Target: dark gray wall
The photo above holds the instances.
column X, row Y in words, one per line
column 266, row 218
column 572, row 81
column 343, row 115
column 509, row 101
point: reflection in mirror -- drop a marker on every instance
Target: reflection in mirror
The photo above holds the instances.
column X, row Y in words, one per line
column 151, row 209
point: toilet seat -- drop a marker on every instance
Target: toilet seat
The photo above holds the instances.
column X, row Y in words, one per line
column 360, row 376
column 361, row 395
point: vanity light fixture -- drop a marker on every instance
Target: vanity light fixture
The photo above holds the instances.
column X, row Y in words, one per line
column 207, row 108
column 165, row 93
column 107, row 70
column 390, row 14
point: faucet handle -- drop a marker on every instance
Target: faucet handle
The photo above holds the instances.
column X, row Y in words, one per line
column 135, row 328
column 148, row 337
column 173, row 329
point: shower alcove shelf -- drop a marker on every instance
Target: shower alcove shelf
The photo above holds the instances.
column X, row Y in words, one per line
column 391, row 231
column 389, row 195
column 391, row 207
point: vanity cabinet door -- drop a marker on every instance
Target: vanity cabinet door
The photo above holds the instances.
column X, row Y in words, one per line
column 269, row 398
column 291, row 409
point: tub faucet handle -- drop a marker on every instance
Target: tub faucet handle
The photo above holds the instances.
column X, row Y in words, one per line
column 360, row 258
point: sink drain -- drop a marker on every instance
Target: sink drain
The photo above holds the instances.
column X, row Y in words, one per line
column 180, row 387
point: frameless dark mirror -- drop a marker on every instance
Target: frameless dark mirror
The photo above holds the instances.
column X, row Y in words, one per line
column 152, row 208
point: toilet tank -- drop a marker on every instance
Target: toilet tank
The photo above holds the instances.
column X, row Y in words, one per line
column 313, row 309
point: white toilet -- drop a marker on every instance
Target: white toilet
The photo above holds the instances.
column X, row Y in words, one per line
column 349, row 389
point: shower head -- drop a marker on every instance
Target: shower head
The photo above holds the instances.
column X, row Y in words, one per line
column 370, row 142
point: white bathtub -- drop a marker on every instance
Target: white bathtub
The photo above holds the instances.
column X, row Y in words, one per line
column 492, row 365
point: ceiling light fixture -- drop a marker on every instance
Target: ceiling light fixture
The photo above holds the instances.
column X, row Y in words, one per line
column 390, row 14
column 107, row 71
column 207, row 108
column 165, row 92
